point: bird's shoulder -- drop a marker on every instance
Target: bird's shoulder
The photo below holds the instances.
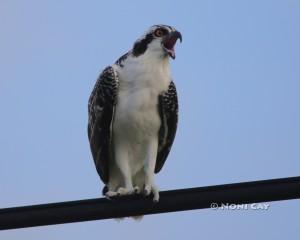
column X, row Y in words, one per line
column 169, row 98
column 103, row 96
column 105, row 87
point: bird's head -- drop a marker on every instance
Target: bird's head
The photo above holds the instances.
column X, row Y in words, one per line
column 158, row 41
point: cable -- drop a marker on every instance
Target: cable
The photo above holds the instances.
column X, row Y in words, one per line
column 170, row 201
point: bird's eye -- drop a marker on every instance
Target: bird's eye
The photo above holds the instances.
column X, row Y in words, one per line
column 158, row 33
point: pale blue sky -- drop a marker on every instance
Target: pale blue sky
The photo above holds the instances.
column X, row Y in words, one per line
column 237, row 74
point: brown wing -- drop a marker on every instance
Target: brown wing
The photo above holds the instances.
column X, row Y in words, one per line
column 168, row 109
column 101, row 112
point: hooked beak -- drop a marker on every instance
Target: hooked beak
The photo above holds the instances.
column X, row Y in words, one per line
column 169, row 42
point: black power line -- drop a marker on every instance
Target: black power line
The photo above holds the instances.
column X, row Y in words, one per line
column 170, row 201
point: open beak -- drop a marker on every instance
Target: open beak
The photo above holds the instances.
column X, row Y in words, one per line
column 169, row 42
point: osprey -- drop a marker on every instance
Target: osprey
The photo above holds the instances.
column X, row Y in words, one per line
column 132, row 115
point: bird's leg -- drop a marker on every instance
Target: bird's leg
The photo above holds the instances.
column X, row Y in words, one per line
column 122, row 162
column 149, row 167
column 113, row 182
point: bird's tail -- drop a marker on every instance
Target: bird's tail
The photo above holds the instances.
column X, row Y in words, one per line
column 138, row 218
column 135, row 218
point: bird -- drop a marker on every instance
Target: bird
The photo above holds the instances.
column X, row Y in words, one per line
column 133, row 115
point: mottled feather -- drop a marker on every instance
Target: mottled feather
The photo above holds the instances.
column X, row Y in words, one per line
column 101, row 111
column 168, row 109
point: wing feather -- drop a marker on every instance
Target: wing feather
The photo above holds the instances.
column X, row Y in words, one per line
column 168, row 110
column 101, row 113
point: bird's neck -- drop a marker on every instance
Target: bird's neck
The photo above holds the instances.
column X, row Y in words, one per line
column 145, row 71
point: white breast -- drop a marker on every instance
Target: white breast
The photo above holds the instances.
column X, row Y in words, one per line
column 141, row 81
